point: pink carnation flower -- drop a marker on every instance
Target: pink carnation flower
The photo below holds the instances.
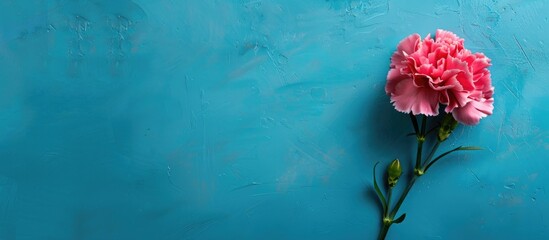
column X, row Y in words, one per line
column 437, row 71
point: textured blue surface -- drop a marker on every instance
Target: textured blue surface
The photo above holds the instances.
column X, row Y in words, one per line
column 256, row 120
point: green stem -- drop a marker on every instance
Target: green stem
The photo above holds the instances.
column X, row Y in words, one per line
column 383, row 231
column 419, row 150
column 388, row 216
column 385, row 228
column 420, row 139
column 403, row 196
column 423, row 125
column 389, row 194
column 414, row 123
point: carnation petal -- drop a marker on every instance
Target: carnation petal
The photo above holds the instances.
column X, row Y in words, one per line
column 405, row 47
column 464, row 77
column 417, row 100
column 455, row 99
column 393, row 78
column 447, row 36
column 409, row 44
column 480, row 63
column 473, row 111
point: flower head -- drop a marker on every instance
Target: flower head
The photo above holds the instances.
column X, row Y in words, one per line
column 426, row 73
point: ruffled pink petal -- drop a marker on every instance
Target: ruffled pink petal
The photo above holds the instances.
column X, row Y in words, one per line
column 399, row 62
column 454, row 42
column 480, row 63
column 483, row 81
column 456, row 99
column 464, row 76
column 405, row 47
column 409, row 44
column 393, row 78
column 443, row 34
column 473, row 111
column 409, row 98
column 422, row 80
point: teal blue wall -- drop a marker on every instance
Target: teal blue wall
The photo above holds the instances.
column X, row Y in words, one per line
column 256, row 119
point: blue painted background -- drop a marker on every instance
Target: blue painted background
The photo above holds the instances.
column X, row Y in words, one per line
column 251, row 119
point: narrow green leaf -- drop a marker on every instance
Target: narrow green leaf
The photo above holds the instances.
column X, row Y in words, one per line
column 460, row 148
column 400, row 219
column 411, row 134
column 378, row 191
column 470, row 148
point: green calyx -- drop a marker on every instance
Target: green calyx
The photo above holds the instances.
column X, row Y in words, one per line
column 447, row 126
column 393, row 173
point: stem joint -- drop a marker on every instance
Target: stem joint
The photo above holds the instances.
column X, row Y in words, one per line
column 419, row 172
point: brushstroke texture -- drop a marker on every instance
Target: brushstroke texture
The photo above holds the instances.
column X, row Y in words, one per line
column 179, row 119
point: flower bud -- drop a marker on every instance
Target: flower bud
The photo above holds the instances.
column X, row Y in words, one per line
column 393, row 172
column 446, row 127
